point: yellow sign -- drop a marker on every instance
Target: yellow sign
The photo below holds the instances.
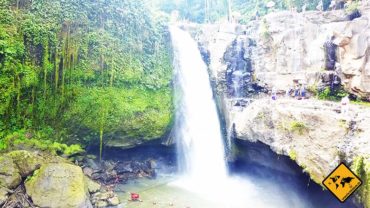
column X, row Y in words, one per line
column 342, row 182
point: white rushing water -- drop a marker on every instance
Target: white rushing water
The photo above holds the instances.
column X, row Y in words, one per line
column 201, row 155
column 198, row 126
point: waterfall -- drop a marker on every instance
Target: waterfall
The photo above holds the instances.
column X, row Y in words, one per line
column 201, row 152
column 199, row 139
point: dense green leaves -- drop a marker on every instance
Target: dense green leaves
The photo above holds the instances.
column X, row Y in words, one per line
column 96, row 65
column 214, row 10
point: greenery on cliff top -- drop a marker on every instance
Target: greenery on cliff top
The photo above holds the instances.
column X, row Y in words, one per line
column 84, row 67
column 214, row 10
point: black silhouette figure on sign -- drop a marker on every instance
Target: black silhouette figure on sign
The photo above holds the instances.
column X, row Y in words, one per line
column 335, row 179
column 346, row 180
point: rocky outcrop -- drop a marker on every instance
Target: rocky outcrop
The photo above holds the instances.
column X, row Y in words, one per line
column 57, row 186
column 311, row 132
column 26, row 162
column 291, row 46
column 287, row 46
column 3, row 195
column 39, row 179
column 319, row 49
column 105, row 199
column 9, row 174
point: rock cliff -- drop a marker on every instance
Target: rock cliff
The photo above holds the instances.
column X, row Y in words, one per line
column 319, row 49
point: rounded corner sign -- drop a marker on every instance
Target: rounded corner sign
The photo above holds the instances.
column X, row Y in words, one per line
column 342, row 182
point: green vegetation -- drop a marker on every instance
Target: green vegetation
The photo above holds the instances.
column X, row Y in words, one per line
column 298, row 127
column 292, row 154
column 20, row 140
column 265, row 30
column 197, row 10
column 214, row 10
column 332, row 95
column 80, row 69
column 363, row 103
column 353, row 6
column 361, row 167
column 249, row 9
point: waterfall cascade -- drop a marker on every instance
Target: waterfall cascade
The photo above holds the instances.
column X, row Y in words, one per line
column 201, row 151
column 198, row 126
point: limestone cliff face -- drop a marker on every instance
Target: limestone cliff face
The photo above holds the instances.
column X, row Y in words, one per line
column 317, row 48
column 295, row 46
column 311, row 132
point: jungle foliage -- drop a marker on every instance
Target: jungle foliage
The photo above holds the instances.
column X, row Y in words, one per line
column 213, row 10
column 84, row 65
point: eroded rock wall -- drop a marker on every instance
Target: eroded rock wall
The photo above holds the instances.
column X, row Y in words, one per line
column 316, row 48
column 292, row 46
column 286, row 46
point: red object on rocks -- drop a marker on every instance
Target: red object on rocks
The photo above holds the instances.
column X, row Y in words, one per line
column 135, row 197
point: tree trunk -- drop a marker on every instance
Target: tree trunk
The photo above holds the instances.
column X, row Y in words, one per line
column 33, row 102
column 45, row 65
column 63, row 80
column 56, row 71
column 112, row 74
column 101, row 143
column 18, row 97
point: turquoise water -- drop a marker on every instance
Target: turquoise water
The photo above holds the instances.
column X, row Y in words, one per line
column 164, row 192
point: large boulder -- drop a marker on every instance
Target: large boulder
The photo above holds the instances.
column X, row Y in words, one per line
column 26, row 162
column 9, row 173
column 58, row 185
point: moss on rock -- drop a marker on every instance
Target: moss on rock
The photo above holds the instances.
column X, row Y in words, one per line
column 361, row 166
column 63, row 183
column 26, row 162
column 9, row 173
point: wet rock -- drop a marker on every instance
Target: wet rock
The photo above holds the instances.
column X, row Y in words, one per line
column 205, row 54
column 114, row 201
column 58, row 185
column 113, row 172
column 152, row 164
column 88, row 171
column 10, row 176
column 92, row 186
column 106, row 195
column 104, row 199
column 92, row 164
column 353, row 15
column 101, row 204
column 108, row 165
column 239, row 67
column 124, row 167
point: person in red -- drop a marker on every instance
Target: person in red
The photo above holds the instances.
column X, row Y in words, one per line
column 135, row 197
